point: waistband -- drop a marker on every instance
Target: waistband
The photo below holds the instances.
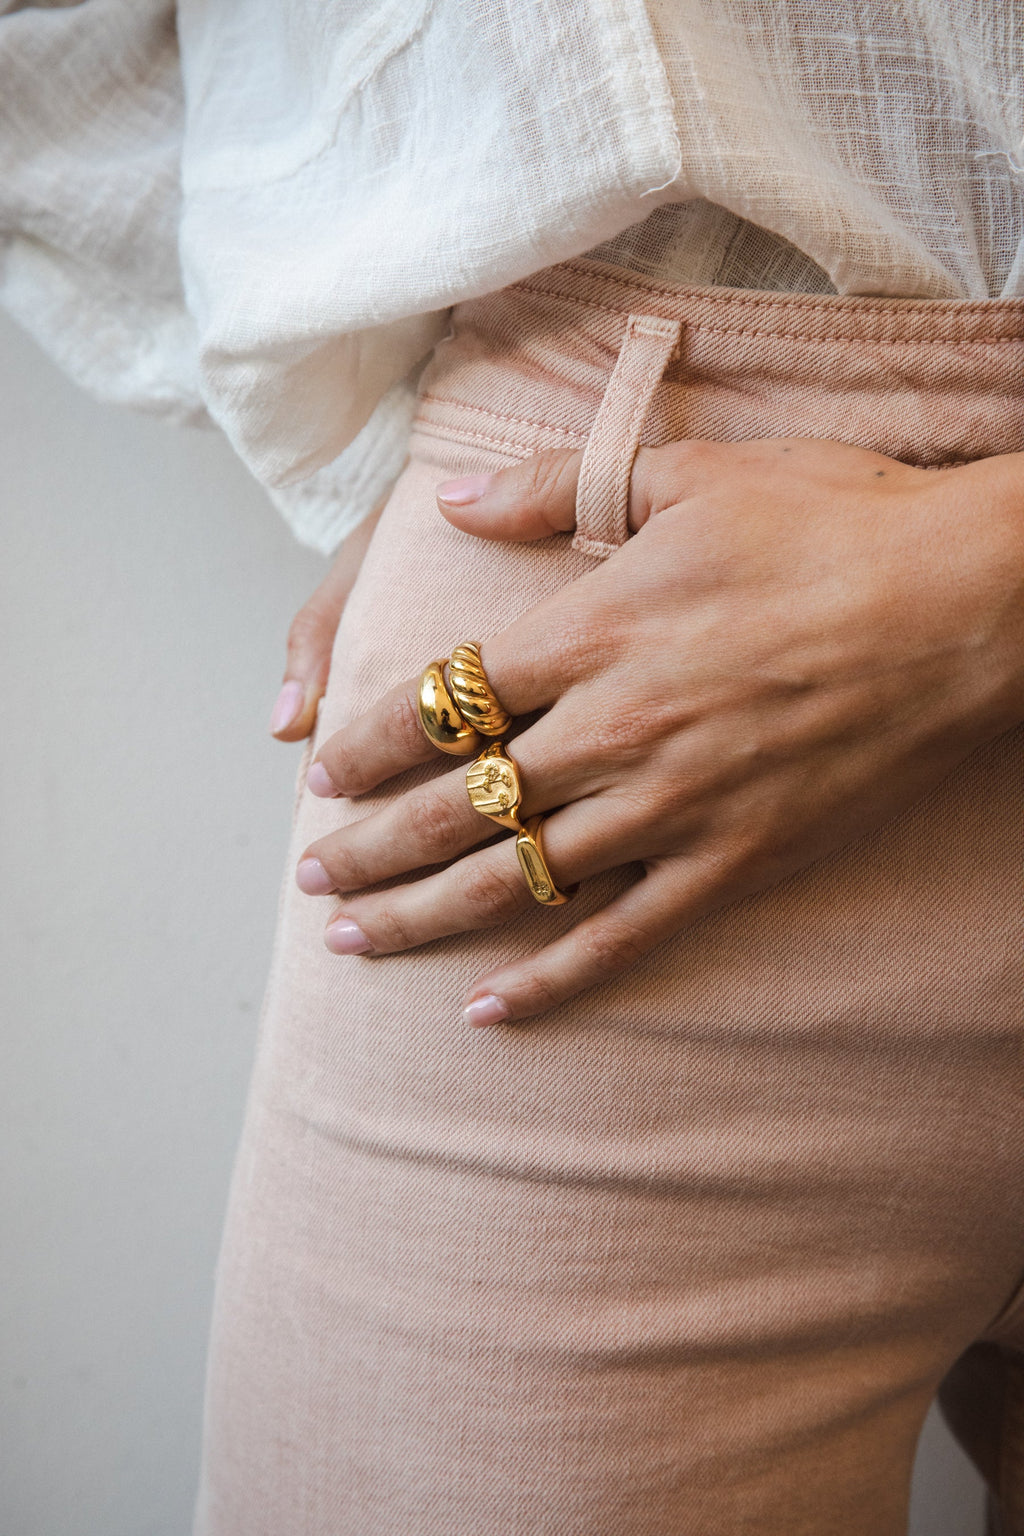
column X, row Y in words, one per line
column 928, row 381
column 805, row 316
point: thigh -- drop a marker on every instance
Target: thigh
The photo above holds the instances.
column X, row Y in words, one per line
column 689, row 1256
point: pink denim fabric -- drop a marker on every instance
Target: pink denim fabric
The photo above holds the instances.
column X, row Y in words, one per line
column 691, row 1256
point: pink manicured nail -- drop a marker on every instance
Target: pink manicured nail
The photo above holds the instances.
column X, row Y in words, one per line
column 485, row 1010
column 344, row 937
column 319, row 782
column 288, row 706
column 459, row 493
column 311, row 877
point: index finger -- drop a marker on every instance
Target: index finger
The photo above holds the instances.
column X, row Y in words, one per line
column 528, row 667
column 389, row 738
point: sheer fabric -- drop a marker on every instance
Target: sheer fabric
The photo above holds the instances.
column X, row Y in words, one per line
column 861, row 147
column 263, row 213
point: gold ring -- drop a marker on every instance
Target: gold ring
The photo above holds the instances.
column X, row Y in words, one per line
column 534, row 865
column 492, row 783
column 442, row 723
column 477, row 702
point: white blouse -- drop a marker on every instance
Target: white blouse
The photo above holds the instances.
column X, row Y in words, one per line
column 260, row 212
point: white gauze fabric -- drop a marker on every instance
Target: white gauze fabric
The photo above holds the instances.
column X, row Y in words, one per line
column 262, row 211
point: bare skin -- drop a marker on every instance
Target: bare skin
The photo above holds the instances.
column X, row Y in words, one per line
column 311, row 638
column 800, row 640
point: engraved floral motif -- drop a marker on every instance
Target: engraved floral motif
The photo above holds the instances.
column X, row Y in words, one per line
column 493, row 786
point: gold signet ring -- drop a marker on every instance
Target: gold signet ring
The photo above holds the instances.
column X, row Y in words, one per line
column 492, row 783
column 477, row 701
column 442, row 723
column 532, row 862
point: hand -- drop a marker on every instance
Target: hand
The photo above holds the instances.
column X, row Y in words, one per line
column 800, row 640
column 311, row 638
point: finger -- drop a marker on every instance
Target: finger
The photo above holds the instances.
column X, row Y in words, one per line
column 529, row 665
column 311, row 639
column 436, row 822
column 483, row 890
column 599, row 948
column 386, row 740
column 531, row 500
column 428, row 825
column 537, row 498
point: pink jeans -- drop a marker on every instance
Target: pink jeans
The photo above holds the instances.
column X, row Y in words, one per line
column 692, row 1256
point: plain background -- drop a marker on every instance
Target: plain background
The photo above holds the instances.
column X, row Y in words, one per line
column 145, row 590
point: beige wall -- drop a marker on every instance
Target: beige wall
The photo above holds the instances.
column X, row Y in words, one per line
column 146, row 588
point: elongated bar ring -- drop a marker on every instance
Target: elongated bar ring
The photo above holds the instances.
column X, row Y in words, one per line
column 530, row 852
column 477, row 702
column 442, row 723
column 492, row 783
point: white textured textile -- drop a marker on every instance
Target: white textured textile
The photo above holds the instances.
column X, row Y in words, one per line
column 263, row 209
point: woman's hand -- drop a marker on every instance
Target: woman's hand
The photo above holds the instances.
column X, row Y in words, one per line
column 311, row 638
column 800, row 640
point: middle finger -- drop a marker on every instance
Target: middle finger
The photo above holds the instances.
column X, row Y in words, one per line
column 435, row 821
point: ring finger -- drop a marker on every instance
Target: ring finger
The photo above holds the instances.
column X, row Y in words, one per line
column 435, row 821
column 483, row 890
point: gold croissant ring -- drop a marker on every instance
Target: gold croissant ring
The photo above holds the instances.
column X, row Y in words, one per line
column 477, row 702
column 442, row 723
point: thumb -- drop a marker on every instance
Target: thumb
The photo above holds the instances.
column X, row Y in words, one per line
column 311, row 640
column 531, row 500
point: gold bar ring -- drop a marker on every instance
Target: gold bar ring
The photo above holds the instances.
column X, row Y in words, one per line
column 530, row 852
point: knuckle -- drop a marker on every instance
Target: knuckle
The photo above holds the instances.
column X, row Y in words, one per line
column 670, row 471
column 307, row 630
column 607, row 950
column 493, row 894
column 585, row 638
column 401, row 724
column 436, row 824
column 745, row 851
column 342, row 763
column 535, row 993
column 391, row 930
column 345, row 867
column 725, row 864
column 402, row 719
column 351, row 755
column 689, row 453
column 628, row 734
column 542, row 476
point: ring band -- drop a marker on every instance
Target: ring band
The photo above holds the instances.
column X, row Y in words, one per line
column 476, row 700
column 530, row 852
column 443, row 724
column 492, row 783
column 494, row 789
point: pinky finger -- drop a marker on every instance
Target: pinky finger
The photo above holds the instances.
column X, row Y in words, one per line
column 597, row 949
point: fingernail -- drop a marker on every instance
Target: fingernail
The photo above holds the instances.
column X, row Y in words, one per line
column 344, row 937
column 311, row 877
column 319, row 782
column 459, row 493
column 288, row 707
column 485, row 1010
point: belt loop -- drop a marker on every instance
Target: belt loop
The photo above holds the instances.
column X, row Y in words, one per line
column 602, row 497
